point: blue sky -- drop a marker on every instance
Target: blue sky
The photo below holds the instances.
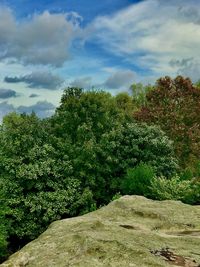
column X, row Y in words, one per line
column 48, row 45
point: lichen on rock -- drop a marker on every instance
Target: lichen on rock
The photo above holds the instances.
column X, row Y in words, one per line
column 124, row 233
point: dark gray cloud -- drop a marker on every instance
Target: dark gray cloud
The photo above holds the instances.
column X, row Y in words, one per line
column 190, row 13
column 41, row 108
column 7, row 93
column 42, row 39
column 188, row 67
column 45, row 80
column 84, row 82
column 180, row 63
column 5, row 108
column 34, row 95
column 120, row 79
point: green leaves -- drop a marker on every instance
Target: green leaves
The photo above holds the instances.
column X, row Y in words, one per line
column 175, row 189
column 36, row 179
column 76, row 160
column 138, row 180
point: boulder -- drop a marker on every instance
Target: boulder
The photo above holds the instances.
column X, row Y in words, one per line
column 132, row 231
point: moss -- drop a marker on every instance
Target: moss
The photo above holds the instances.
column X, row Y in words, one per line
column 121, row 234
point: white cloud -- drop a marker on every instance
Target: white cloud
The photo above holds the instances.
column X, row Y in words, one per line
column 42, row 39
column 151, row 33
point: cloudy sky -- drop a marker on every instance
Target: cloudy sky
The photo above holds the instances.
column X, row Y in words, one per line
column 48, row 45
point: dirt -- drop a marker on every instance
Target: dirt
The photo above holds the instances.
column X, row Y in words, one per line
column 175, row 260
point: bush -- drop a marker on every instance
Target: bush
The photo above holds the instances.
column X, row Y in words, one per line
column 3, row 240
column 175, row 189
column 138, row 180
column 4, row 227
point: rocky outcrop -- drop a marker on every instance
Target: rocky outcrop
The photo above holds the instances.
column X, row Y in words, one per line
column 130, row 232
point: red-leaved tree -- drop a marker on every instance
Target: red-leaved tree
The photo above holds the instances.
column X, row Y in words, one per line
column 174, row 104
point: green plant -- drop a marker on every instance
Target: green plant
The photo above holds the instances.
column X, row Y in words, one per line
column 174, row 189
column 36, row 179
column 4, row 227
column 116, row 196
column 138, row 180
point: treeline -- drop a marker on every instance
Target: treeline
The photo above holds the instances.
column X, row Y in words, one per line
column 94, row 148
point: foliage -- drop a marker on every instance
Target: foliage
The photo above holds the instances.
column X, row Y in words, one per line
column 4, row 227
column 76, row 160
column 79, row 110
column 135, row 143
column 174, row 106
column 116, row 196
column 138, row 180
column 36, row 181
column 139, row 93
column 126, row 104
column 175, row 189
column 93, row 130
column 78, row 126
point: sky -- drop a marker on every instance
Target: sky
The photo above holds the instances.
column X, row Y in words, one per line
column 48, row 45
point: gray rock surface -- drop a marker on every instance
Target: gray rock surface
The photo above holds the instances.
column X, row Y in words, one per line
column 130, row 232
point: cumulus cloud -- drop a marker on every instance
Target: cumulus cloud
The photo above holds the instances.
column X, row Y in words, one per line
column 42, row 39
column 7, row 93
column 84, row 82
column 119, row 79
column 38, row 80
column 151, row 33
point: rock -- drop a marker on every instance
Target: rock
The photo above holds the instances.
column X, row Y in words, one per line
column 130, row 232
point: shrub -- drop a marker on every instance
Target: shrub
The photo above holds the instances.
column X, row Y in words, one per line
column 174, row 189
column 4, row 227
column 138, row 180
column 116, row 196
column 3, row 239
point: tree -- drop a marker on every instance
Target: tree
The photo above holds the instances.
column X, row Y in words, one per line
column 93, row 131
column 174, row 105
column 96, row 108
column 139, row 93
column 36, row 181
column 126, row 103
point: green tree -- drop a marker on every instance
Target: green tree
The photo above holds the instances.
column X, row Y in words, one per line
column 78, row 126
column 91, row 129
column 139, row 93
column 36, row 180
column 126, row 104
column 4, row 227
